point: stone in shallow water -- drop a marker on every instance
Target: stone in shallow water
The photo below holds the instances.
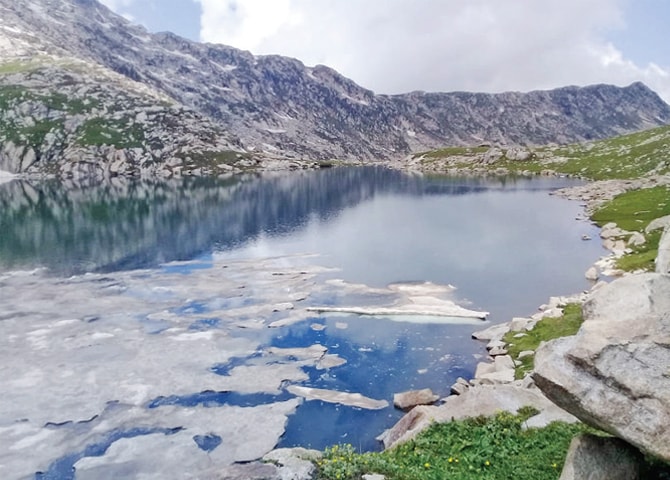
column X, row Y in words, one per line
column 333, row 396
column 412, row 398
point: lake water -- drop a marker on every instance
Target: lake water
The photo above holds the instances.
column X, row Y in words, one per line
column 134, row 269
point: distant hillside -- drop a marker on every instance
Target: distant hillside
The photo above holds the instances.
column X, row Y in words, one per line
column 279, row 107
column 631, row 156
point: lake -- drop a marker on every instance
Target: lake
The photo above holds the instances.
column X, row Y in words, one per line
column 138, row 316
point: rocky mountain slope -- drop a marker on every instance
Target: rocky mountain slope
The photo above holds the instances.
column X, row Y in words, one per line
column 279, row 106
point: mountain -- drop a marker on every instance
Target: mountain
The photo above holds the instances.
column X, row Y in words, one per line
column 276, row 106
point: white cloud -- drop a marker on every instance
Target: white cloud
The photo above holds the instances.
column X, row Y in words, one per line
column 394, row 46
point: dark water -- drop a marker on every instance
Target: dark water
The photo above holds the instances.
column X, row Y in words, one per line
column 504, row 243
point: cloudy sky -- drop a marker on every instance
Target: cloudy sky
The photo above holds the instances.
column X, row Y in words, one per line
column 394, row 46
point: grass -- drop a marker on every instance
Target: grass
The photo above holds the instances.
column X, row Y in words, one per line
column 633, row 211
column 476, row 448
column 106, row 131
column 545, row 330
column 623, row 157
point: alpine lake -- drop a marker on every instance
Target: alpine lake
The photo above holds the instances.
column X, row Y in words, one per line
column 181, row 325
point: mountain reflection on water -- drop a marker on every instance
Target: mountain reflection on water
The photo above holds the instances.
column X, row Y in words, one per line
column 128, row 224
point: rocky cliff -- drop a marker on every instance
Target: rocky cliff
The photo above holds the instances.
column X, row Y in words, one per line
column 277, row 105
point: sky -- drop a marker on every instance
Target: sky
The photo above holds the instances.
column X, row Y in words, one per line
column 398, row 46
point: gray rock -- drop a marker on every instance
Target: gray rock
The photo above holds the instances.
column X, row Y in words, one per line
column 293, row 463
column 591, row 274
column 601, row 458
column 657, row 224
column 519, row 324
column 496, row 351
column 614, row 373
column 663, row 257
column 495, row 332
column 636, row 239
column 412, row 398
column 526, row 353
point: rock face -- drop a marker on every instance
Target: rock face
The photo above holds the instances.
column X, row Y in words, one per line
column 663, row 257
column 614, row 373
column 601, row 458
column 277, row 104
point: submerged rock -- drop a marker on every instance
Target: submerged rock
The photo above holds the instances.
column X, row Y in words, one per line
column 614, row 373
column 333, row 396
column 412, row 398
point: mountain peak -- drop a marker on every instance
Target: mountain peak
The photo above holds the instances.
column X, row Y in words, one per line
column 277, row 104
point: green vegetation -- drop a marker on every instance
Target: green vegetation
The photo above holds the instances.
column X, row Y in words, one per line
column 107, row 131
column 476, row 448
column 545, row 330
column 633, row 211
column 627, row 156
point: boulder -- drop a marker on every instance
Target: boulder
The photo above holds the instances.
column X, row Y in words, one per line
column 411, row 399
column 591, row 274
column 657, row 224
column 293, row 463
column 495, row 332
column 614, row 373
column 663, row 257
column 601, row 458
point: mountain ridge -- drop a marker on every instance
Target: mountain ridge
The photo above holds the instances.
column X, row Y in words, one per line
column 275, row 105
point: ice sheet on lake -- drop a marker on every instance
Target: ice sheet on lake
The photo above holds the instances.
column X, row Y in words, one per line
column 82, row 358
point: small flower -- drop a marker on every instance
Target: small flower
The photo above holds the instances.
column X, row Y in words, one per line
column 487, row 463
column 427, row 465
column 554, row 465
column 450, row 460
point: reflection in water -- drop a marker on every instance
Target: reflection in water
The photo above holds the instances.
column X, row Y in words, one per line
column 136, row 224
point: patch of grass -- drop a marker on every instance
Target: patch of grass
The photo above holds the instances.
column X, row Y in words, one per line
column 635, row 209
column 106, row 131
column 472, row 449
column 545, row 330
column 35, row 135
column 626, row 156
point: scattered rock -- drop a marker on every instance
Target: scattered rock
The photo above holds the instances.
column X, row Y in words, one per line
column 495, row 332
column 601, row 458
column 591, row 274
column 411, row 399
column 658, row 223
column 526, row 353
column 614, row 373
column 496, row 351
column 460, row 386
column 293, row 463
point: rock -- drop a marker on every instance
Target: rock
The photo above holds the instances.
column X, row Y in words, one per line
column 591, row 457
column 495, row 344
column 460, row 386
column 614, row 373
column 495, row 332
column 636, row 239
column 411, row 399
column 591, row 274
column 496, row 351
column 504, row 362
column 526, row 353
column 373, row 476
column 657, row 224
column 518, row 324
column 663, row 257
column 293, row 463
column 484, row 368
column 334, row 396
column 484, row 400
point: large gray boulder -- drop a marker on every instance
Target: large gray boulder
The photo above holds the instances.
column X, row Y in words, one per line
column 601, row 458
column 614, row 374
column 663, row 257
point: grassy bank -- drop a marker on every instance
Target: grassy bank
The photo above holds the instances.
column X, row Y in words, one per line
column 472, row 449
